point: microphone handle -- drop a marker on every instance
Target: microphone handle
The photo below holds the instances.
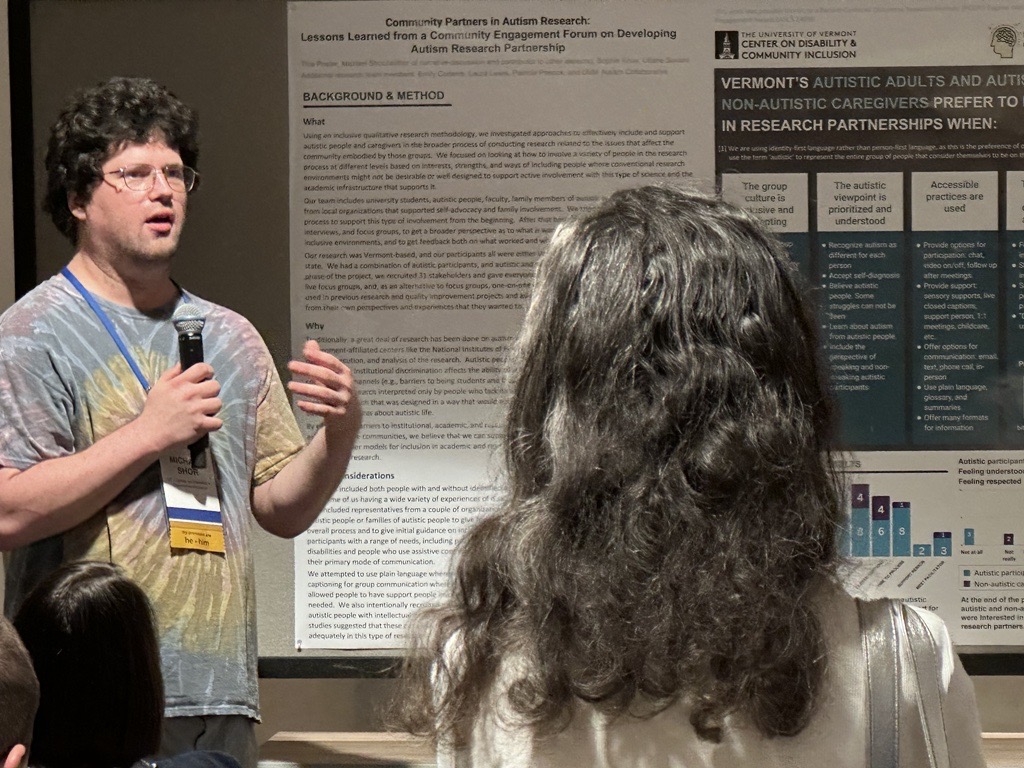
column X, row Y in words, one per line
column 190, row 350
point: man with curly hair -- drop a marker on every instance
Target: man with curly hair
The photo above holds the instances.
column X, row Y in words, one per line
column 96, row 412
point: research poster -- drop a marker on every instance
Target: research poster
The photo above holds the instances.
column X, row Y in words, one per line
column 435, row 145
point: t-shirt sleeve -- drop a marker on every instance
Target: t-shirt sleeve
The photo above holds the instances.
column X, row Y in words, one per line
column 278, row 437
column 36, row 411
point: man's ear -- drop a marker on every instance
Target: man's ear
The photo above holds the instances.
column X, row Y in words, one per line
column 16, row 757
column 76, row 204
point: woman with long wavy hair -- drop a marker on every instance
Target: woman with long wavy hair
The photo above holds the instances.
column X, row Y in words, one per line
column 659, row 586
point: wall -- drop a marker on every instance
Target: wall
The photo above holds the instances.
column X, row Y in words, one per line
column 6, row 192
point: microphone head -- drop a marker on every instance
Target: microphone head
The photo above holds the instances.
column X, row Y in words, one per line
column 188, row 318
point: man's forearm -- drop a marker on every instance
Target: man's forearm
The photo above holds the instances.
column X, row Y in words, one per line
column 58, row 494
column 287, row 504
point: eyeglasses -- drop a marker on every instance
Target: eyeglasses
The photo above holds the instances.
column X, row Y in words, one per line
column 141, row 178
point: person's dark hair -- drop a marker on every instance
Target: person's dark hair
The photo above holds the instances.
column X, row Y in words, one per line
column 91, row 635
column 672, row 500
column 96, row 123
column 19, row 691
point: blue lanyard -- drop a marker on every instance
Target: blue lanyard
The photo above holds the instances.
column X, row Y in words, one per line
column 94, row 305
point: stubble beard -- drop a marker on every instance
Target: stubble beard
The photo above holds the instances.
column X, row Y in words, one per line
column 157, row 256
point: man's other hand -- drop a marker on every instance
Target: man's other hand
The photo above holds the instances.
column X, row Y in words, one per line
column 326, row 388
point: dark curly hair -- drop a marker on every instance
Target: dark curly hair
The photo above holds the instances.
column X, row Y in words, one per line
column 90, row 632
column 672, row 500
column 96, row 123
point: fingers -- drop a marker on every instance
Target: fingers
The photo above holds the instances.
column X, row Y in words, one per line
column 332, row 390
column 323, row 383
column 195, row 383
column 199, row 375
column 327, row 398
column 322, row 368
column 183, row 405
column 202, row 414
column 212, row 423
column 196, row 373
column 171, row 372
column 330, row 377
column 316, row 357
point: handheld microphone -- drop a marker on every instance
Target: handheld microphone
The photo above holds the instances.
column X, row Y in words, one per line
column 188, row 321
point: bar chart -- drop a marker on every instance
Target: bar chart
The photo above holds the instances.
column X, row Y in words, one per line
column 882, row 527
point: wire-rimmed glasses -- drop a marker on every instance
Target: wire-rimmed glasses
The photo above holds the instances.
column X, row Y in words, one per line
column 142, row 177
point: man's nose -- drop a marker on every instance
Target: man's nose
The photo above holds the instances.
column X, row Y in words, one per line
column 160, row 186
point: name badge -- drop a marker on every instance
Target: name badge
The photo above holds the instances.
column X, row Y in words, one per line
column 193, row 506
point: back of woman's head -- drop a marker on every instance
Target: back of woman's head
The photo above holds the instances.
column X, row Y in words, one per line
column 90, row 632
column 672, row 499
column 659, row 319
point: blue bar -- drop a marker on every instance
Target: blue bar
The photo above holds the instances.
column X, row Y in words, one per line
column 901, row 529
column 922, row 550
column 943, row 541
column 860, row 521
column 860, row 533
column 844, row 538
column 968, row 537
column 194, row 515
column 881, row 527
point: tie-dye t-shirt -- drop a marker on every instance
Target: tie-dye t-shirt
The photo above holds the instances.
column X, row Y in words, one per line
column 64, row 385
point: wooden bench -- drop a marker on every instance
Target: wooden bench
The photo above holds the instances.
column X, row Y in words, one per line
column 368, row 748
column 1002, row 750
